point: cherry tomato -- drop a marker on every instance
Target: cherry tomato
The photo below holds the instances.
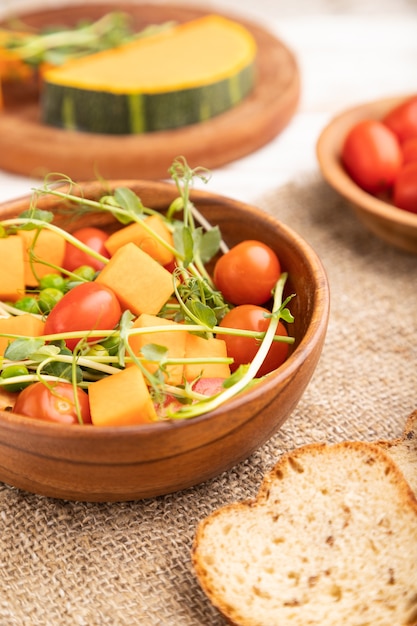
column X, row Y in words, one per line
column 402, row 119
column 54, row 404
column 247, row 273
column 409, row 149
column 243, row 349
column 209, row 386
column 94, row 238
column 371, row 154
column 171, row 266
column 205, row 386
column 405, row 188
column 88, row 306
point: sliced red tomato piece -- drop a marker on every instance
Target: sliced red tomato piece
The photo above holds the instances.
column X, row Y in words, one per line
column 53, row 403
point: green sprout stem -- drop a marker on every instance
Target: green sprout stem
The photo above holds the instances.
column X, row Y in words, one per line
column 183, row 177
column 37, row 44
column 99, row 334
column 111, row 30
column 114, row 210
column 207, row 226
column 7, row 310
column 40, row 224
column 215, row 401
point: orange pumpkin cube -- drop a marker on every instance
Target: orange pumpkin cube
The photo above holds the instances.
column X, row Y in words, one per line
column 12, row 269
column 173, row 341
column 121, row 399
column 141, row 284
column 137, row 233
column 26, row 325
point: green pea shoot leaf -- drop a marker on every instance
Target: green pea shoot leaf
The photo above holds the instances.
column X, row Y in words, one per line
column 22, row 348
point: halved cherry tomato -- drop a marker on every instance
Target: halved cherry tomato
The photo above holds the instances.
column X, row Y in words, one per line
column 243, row 349
column 372, row 156
column 402, row 119
column 247, row 273
column 205, row 386
column 53, row 404
column 405, row 188
column 94, row 238
column 88, row 306
column 209, row 386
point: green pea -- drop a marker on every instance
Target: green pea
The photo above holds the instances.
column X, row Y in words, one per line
column 48, row 298
column 54, row 281
column 28, row 304
column 97, row 350
column 111, row 344
column 86, row 272
column 71, row 283
column 12, row 371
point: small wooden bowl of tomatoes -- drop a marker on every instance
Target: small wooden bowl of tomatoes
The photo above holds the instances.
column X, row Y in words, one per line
column 369, row 155
column 101, row 461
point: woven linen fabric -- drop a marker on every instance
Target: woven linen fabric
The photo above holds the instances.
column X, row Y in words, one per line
column 68, row 563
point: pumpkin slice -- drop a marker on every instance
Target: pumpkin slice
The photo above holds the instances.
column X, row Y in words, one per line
column 185, row 75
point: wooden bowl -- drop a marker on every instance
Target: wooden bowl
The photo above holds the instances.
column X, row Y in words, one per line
column 89, row 463
column 393, row 225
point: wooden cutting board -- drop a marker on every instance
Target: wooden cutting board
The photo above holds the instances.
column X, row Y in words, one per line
column 31, row 148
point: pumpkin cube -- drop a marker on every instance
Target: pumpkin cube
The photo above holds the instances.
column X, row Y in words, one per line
column 26, row 325
column 137, row 234
column 12, row 269
column 199, row 347
column 121, row 399
column 141, row 284
column 174, row 342
column 49, row 247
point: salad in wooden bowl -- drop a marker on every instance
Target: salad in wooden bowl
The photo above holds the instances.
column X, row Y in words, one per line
column 152, row 335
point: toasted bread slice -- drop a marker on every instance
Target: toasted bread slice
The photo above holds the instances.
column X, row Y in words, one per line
column 404, row 451
column 331, row 539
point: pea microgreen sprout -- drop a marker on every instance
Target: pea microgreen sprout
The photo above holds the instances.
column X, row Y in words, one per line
column 124, row 205
column 193, row 247
column 189, row 237
column 47, row 361
column 59, row 45
column 198, row 305
column 241, row 379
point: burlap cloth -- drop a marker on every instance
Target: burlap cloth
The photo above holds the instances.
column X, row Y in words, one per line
column 65, row 563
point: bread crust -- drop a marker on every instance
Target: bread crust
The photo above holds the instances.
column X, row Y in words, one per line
column 403, row 451
column 358, row 488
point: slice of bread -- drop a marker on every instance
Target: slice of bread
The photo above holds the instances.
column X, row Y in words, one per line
column 404, row 451
column 330, row 540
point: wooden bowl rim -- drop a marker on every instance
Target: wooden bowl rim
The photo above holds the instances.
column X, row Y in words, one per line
column 328, row 155
column 312, row 337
